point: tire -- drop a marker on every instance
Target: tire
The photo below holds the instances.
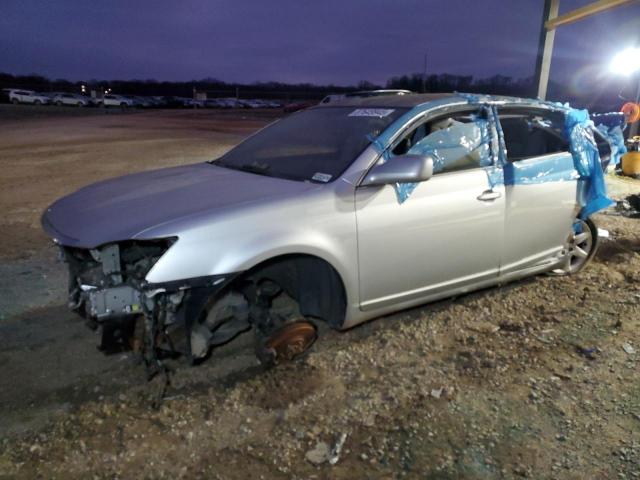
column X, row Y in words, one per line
column 58, row 103
column 37, row 102
column 80, row 104
column 15, row 101
column 581, row 246
column 123, row 106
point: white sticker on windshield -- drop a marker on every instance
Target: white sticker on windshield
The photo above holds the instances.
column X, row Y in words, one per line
column 321, row 177
column 371, row 112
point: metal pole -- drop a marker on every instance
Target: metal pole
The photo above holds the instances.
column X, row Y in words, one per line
column 545, row 47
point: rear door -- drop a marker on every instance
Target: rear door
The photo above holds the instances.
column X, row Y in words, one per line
column 540, row 186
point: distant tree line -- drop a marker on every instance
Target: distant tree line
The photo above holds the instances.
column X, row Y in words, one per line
column 151, row 87
column 497, row 84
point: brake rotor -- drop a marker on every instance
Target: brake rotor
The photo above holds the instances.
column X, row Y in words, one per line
column 291, row 340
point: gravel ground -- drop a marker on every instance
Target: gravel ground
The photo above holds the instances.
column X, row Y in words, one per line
column 535, row 379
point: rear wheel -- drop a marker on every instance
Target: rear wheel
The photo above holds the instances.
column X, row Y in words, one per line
column 581, row 246
column 37, row 102
column 80, row 104
column 15, row 101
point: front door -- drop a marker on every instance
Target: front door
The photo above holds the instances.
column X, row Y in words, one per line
column 447, row 234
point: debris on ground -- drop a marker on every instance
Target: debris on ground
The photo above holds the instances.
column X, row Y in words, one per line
column 628, row 207
column 319, row 454
column 334, row 456
column 587, row 352
column 437, row 392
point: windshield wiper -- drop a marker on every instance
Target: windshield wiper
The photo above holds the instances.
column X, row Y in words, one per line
column 255, row 167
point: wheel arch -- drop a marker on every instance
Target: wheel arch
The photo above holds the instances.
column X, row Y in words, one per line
column 311, row 280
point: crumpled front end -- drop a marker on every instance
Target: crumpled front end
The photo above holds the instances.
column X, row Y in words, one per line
column 107, row 287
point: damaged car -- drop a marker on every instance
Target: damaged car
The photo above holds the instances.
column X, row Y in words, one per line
column 338, row 214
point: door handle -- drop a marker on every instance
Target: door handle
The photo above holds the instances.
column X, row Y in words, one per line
column 489, row 196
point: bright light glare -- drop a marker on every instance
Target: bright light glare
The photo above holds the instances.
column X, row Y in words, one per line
column 626, row 62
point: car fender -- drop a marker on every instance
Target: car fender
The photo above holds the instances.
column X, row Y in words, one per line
column 321, row 225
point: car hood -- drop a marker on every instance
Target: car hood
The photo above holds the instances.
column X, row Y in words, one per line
column 124, row 207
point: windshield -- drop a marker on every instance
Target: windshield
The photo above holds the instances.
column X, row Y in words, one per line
column 313, row 145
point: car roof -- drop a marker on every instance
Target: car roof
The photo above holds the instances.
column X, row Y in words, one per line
column 393, row 100
column 411, row 100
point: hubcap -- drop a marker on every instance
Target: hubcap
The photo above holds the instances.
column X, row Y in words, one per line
column 579, row 247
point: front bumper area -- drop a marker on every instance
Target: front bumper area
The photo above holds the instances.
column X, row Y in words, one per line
column 113, row 302
column 107, row 287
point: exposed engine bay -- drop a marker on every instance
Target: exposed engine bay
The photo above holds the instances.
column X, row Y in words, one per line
column 107, row 287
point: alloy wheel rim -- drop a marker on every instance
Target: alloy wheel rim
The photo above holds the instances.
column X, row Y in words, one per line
column 579, row 248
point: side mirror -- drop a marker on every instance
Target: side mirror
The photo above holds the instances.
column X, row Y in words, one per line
column 401, row 169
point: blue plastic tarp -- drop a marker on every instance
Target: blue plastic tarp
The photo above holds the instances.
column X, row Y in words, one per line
column 454, row 147
column 482, row 143
column 586, row 161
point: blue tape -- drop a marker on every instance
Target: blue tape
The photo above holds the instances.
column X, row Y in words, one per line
column 404, row 190
column 555, row 168
column 456, row 141
column 586, row 160
column 469, row 97
column 616, row 139
column 495, row 176
column 379, row 146
column 502, row 149
column 584, row 163
column 383, row 141
column 456, row 144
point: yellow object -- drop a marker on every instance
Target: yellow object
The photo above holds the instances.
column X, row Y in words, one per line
column 631, row 163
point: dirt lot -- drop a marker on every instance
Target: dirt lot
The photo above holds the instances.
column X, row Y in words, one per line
column 535, row 379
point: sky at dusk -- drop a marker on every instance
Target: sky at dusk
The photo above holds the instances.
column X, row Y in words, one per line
column 328, row 41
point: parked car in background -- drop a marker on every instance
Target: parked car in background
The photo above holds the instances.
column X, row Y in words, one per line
column 111, row 100
column 158, row 101
column 171, row 101
column 377, row 93
column 342, row 213
column 139, row 101
column 189, row 102
column 28, row 96
column 332, row 98
column 213, row 103
column 251, row 103
column 259, row 103
column 230, row 103
column 72, row 99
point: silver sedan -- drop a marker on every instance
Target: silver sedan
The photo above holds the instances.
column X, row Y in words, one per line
column 339, row 214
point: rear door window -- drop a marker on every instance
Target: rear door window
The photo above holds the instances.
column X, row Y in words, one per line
column 532, row 133
column 604, row 148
